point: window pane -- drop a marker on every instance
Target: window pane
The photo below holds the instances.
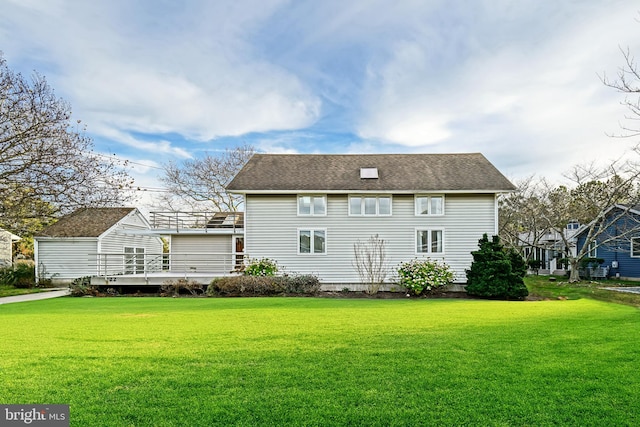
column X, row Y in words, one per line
column 384, row 206
column 423, row 242
column 304, row 205
column 436, row 240
column 369, row 205
column 318, row 242
column 318, row 206
column 436, row 205
column 422, row 204
column 355, row 204
column 305, row 241
column 635, row 247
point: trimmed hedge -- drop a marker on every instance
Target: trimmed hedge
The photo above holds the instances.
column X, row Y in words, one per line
column 264, row 285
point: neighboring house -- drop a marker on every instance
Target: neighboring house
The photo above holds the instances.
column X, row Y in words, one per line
column 7, row 240
column 618, row 242
column 549, row 247
column 306, row 212
column 96, row 241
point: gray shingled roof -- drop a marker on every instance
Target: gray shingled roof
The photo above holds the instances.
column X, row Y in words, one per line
column 341, row 172
column 86, row 222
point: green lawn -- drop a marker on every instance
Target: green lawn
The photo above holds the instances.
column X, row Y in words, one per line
column 541, row 286
column 318, row 361
column 9, row 290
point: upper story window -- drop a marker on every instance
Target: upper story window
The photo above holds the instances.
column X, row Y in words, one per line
column 312, row 205
column 573, row 225
column 370, row 205
column 429, row 205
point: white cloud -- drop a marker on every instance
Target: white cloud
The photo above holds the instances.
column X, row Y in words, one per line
column 189, row 71
column 524, row 102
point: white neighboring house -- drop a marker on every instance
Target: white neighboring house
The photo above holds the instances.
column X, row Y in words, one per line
column 306, row 212
column 7, row 239
column 549, row 248
column 96, row 241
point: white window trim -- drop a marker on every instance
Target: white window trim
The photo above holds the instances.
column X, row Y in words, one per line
column 312, row 230
column 429, row 196
column 132, row 268
column 324, row 200
column 637, row 242
column 429, row 230
column 592, row 252
column 377, row 197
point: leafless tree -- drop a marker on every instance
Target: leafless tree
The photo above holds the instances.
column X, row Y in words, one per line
column 203, row 180
column 600, row 198
column 519, row 220
column 46, row 162
column 627, row 81
column 370, row 261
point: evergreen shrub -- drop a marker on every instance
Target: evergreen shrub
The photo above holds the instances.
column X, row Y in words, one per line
column 495, row 272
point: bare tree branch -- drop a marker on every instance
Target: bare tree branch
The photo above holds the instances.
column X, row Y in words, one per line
column 47, row 164
column 204, row 179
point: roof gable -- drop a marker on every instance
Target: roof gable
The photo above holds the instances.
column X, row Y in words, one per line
column 396, row 172
column 86, row 222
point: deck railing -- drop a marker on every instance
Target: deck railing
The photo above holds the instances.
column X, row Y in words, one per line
column 220, row 263
column 197, row 220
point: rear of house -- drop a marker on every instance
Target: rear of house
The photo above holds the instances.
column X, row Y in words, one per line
column 307, row 212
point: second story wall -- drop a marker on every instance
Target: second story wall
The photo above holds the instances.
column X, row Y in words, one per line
column 273, row 226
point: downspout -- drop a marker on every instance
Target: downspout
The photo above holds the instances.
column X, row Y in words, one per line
column 496, row 214
column 35, row 259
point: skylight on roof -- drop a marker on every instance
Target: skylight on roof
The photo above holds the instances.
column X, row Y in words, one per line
column 369, row 173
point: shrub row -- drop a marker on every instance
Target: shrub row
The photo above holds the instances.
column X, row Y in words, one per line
column 19, row 275
column 264, row 285
column 173, row 287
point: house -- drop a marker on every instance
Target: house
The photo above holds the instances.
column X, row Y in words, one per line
column 96, row 241
column 549, row 247
column 617, row 242
column 7, row 240
column 306, row 212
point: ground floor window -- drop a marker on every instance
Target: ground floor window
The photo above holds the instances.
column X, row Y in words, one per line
column 133, row 260
column 593, row 253
column 429, row 241
column 635, row 247
column 312, row 241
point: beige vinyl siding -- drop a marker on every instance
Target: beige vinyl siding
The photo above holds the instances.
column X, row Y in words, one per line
column 272, row 225
column 204, row 252
column 65, row 260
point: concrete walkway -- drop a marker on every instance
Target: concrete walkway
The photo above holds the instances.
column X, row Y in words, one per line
column 629, row 289
column 53, row 293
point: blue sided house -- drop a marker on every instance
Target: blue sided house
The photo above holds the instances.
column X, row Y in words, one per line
column 617, row 242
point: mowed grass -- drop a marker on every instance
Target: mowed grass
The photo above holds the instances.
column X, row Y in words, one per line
column 318, row 361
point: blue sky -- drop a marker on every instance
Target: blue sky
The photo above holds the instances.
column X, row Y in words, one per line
column 155, row 81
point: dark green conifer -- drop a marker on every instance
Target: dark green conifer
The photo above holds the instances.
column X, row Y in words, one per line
column 496, row 272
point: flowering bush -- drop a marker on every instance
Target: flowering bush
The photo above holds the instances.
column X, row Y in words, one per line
column 261, row 267
column 421, row 276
